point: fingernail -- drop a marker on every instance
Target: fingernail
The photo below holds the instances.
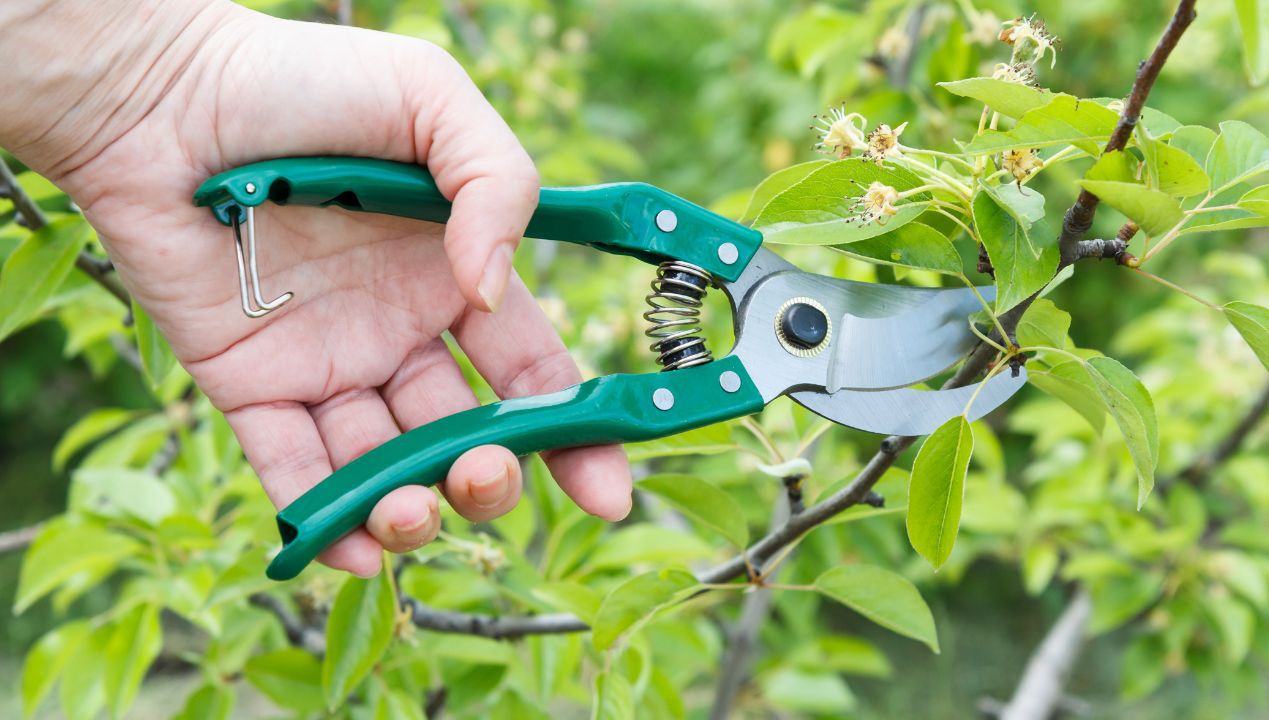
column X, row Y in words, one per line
column 493, row 282
column 490, row 491
column 416, row 526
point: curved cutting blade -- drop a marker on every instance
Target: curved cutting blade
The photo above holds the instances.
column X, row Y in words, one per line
column 905, row 411
column 880, row 336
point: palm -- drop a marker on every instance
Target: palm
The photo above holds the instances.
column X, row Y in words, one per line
column 357, row 355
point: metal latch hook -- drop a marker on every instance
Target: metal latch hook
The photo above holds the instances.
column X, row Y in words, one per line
column 262, row 307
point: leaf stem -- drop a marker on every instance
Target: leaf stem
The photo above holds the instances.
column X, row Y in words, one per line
column 1175, row 231
column 987, row 306
column 1001, row 365
column 756, row 430
column 1174, row 286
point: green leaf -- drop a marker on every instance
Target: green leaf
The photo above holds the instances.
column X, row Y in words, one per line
column 1194, row 140
column 914, row 245
column 1130, row 405
column 646, row 543
column 1244, row 574
column 1240, row 152
column 1115, row 165
column 1064, row 120
column 705, row 503
column 1235, row 622
column 210, row 702
column 1118, row 599
column 804, row 692
column 1253, row 20
column 135, row 643
column 815, row 210
column 636, row 599
column 1154, row 212
column 1252, row 322
column 37, row 269
column 120, row 492
column 1256, row 200
column 938, row 489
column 476, row 650
column 290, row 677
column 83, row 689
column 883, row 597
column 777, row 183
column 1044, row 324
column 581, row 600
column 1143, row 666
column 1039, row 562
column 357, row 634
column 1020, row 271
column 1173, row 170
column 1069, row 382
column 63, row 551
column 1007, row 98
column 709, row 440
column 94, row 425
column 46, row 660
column 156, row 356
column 614, row 697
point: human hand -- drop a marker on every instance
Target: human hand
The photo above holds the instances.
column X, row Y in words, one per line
column 357, row 356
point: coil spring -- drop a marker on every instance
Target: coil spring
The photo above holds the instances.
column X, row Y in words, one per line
column 675, row 302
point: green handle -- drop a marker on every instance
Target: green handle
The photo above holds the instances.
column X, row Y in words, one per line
column 621, row 218
column 609, row 409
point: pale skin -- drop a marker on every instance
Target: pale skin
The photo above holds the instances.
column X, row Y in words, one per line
column 128, row 106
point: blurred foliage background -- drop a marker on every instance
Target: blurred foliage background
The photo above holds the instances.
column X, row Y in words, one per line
column 706, row 98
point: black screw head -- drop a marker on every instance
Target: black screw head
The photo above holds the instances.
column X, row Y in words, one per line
column 803, row 325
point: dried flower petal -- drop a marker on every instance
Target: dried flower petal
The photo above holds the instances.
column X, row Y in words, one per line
column 1021, row 163
column 875, row 205
column 840, row 133
column 1029, row 33
column 884, row 143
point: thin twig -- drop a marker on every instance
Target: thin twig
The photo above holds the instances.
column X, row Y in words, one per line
column 1079, row 218
column 310, row 639
column 11, row 540
column 742, row 638
column 1198, row 471
column 33, row 218
column 901, row 68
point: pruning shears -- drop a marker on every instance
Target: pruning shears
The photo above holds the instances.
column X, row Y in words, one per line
column 845, row 350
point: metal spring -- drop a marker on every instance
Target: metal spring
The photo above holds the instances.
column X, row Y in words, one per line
column 675, row 302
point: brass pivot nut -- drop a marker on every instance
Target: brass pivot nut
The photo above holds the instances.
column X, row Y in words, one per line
column 803, row 327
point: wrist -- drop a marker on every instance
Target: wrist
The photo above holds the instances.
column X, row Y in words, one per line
column 77, row 76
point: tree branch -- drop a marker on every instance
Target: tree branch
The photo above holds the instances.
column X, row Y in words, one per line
column 1043, row 682
column 742, row 640
column 504, row 627
column 17, row 539
column 1079, row 218
column 32, row 217
column 1198, row 471
column 310, row 639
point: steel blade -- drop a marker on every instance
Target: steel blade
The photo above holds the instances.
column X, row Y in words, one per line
column 906, row 411
column 882, row 336
column 907, row 347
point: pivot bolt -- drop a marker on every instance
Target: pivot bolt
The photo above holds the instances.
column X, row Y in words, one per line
column 804, row 325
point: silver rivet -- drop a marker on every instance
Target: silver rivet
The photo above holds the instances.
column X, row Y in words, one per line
column 667, row 220
column 728, row 253
column 251, row 187
column 663, row 399
column 730, row 381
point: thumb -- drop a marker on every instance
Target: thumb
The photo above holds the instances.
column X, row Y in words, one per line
column 480, row 166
